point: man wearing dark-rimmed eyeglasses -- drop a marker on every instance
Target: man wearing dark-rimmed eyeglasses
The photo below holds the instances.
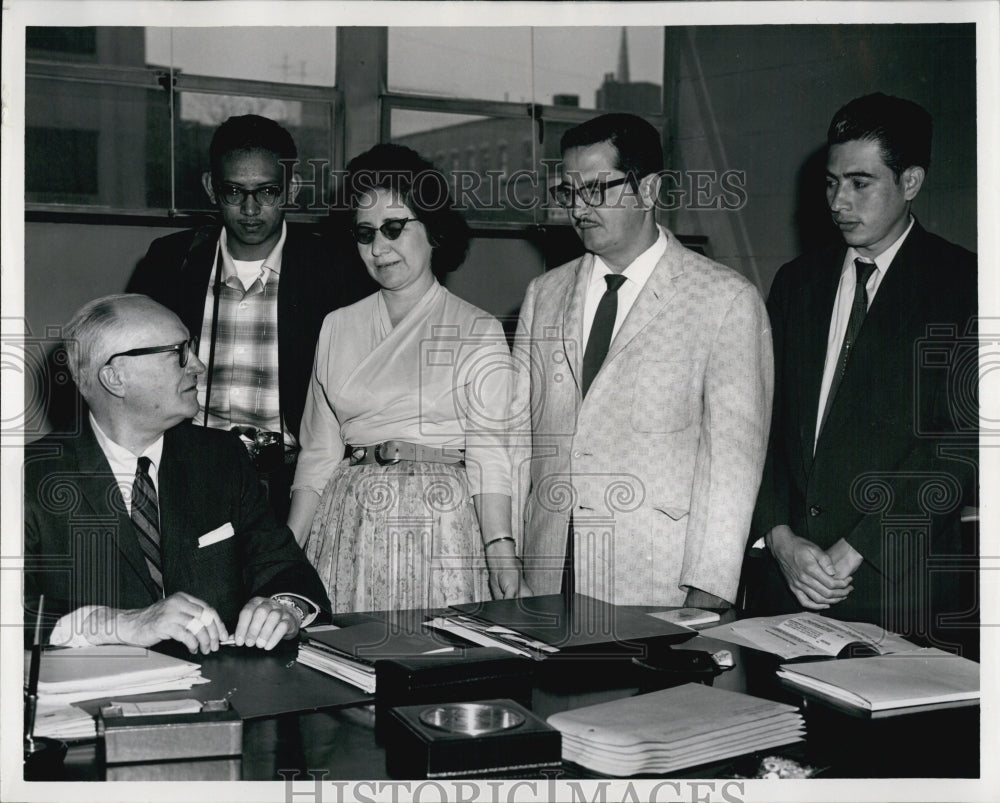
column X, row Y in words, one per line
column 646, row 374
column 179, row 543
column 255, row 290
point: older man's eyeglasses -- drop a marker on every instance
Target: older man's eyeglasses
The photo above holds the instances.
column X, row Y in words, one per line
column 592, row 194
column 391, row 230
column 232, row 195
column 184, row 351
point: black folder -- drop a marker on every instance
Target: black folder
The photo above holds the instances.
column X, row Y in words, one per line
column 579, row 625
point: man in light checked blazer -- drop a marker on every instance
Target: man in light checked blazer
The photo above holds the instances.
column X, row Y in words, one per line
column 638, row 470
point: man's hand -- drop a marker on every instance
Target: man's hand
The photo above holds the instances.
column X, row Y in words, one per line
column 180, row 617
column 846, row 559
column 264, row 622
column 696, row 598
column 809, row 571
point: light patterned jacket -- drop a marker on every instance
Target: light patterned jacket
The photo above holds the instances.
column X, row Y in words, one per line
column 661, row 463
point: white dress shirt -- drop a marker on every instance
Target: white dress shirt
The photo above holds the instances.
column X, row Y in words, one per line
column 842, row 312
column 636, row 275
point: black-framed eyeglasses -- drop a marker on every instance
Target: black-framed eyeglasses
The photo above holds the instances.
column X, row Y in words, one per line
column 391, row 230
column 233, row 195
column 592, row 194
column 184, row 351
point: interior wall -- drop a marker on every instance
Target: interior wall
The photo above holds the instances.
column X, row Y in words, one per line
column 759, row 100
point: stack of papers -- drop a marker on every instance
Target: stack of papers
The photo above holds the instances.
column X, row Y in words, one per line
column 350, row 653
column 674, row 729
column 91, row 673
column 68, row 676
column 66, row 722
column 917, row 678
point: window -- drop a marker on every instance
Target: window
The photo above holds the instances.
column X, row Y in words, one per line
column 535, row 83
column 119, row 119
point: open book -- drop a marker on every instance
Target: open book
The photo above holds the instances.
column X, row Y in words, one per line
column 809, row 635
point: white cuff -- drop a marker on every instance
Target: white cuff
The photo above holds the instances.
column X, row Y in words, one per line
column 70, row 630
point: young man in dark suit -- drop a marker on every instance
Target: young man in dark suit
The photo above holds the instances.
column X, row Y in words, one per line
column 255, row 290
column 143, row 528
column 872, row 456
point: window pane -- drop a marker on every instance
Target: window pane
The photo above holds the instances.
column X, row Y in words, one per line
column 309, row 123
column 285, row 55
column 489, row 160
column 96, row 144
column 618, row 69
column 479, row 63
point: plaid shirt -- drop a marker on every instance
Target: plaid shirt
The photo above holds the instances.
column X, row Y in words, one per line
column 245, row 370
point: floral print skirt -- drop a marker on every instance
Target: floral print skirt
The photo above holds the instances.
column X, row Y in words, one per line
column 398, row 537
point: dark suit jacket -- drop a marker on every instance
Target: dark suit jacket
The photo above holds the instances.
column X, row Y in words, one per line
column 81, row 548
column 897, row 457
column 176, row 269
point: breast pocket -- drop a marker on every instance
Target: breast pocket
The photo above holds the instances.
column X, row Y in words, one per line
column 662, row 399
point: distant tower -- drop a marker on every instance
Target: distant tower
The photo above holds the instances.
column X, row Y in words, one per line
column 619, row 93
column 622, row 74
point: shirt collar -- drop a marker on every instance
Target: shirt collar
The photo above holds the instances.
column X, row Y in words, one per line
column 272, row 262
column 119, row 455
column 883, row 260
column 639, row 269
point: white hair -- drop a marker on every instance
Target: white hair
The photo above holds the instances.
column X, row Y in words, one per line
column 85, row 336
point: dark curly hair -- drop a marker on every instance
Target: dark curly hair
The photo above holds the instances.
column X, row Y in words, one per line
column 423, row 188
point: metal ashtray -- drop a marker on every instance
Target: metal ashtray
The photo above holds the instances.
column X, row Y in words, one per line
column 472, row 719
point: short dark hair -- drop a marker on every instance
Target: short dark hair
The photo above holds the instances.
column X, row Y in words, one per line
column 901, row 128
column 423, row 188
column 250, row 132
column 640, row 150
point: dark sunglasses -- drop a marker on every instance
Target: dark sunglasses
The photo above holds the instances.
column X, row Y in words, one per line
column 391, row 230
column 184, row 351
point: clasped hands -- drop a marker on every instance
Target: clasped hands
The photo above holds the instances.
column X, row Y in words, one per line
column 818, row 578
column 262, row 623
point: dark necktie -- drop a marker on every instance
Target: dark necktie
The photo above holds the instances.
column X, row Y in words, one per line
column 858, row 311
column 600, row 331
column 146, row 518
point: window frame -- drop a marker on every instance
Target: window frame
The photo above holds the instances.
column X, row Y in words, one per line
column 172, row 83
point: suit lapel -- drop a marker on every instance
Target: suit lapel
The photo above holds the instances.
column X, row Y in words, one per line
column 659, row 288
column 572, row 328
column 100, row 492
column 174, row 489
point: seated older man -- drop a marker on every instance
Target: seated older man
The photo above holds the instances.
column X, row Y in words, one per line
column 142, row 528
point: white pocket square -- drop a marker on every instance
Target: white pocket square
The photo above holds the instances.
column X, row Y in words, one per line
column 218, row 534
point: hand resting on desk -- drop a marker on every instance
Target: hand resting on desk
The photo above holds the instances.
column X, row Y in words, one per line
column 262, row 623
column 180, row 617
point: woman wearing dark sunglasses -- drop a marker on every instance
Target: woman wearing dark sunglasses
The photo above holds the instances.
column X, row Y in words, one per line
column 403, row 483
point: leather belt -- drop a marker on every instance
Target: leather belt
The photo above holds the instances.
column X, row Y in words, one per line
column 389, row 453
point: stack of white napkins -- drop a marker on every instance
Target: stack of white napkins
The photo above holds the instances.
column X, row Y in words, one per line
column 69, row 676
column 673, row 729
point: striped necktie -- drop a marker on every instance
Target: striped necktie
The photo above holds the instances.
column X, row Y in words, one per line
column 146, row 518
